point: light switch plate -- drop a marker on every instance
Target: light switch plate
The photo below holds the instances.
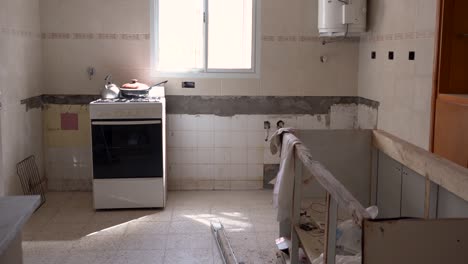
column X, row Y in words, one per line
column 188, row 84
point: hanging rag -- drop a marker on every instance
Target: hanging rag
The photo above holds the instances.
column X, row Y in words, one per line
column 283, row 141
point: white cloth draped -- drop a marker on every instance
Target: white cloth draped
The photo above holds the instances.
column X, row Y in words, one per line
column 282, row 141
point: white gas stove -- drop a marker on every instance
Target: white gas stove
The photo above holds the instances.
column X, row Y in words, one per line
column 129, row 152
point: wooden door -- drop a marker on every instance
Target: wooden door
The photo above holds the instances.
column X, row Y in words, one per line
column 450, row 123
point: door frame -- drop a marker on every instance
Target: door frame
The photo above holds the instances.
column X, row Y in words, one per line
column 437, row 72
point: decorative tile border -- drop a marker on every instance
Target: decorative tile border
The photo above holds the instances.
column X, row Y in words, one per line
column 284, row 38
column 19, row 33
column 373, row 37
column 98, row 36
column 368, row 37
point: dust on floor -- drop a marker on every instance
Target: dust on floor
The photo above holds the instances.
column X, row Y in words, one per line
column 67, row 230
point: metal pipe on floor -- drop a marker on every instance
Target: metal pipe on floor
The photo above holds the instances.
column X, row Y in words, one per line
column 223, row 243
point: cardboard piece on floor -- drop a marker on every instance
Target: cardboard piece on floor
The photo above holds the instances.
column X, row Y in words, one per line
column 415, row 241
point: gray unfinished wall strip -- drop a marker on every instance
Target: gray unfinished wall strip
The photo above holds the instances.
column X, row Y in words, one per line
column 223, row 105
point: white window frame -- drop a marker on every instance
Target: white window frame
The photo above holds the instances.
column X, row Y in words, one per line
column 205, row 72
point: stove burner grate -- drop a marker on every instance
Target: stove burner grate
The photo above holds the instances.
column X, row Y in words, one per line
column 132, row 100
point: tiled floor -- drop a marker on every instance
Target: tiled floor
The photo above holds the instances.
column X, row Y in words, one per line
column 67, row 230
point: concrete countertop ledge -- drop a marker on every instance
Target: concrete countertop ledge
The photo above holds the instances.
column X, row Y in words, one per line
column 14, row 213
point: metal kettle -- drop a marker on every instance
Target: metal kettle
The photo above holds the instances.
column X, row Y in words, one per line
column 110, row 90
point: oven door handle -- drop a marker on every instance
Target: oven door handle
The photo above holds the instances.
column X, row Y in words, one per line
column 119, row 123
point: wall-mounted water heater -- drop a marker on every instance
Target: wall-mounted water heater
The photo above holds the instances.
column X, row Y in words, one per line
column 341, row 18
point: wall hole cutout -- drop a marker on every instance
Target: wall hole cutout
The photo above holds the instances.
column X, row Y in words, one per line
column 412, row 55
column 373, row 55
column 391, row 55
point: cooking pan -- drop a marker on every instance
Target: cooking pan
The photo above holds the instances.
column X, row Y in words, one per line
column 141, row 91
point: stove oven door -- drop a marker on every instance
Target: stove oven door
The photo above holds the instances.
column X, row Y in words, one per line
column 127, row 149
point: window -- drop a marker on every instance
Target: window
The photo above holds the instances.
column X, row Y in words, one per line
column 204, row 36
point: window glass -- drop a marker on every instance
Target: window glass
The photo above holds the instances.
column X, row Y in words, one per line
column 180, row 41
column 230, row 34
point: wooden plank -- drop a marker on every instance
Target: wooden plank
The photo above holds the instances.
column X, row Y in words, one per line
column 461, row 99
column 296, row 217
column 330, row 231
column 311, row 243
column 443, row 172
column 415, row 241
column 430, row 199
column 325, row 178
column 374, row 176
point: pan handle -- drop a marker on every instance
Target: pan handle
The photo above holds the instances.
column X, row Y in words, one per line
column 157, row 85
column 166, row 81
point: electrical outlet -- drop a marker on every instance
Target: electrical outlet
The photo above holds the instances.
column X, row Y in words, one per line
column 188, row 84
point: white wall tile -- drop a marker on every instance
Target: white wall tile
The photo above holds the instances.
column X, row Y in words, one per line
column 367, row 117
column 255, row 122
column 222, row 172
column 172, row 121
column 239, row 172
column 205, row 185
column 222, row 123
column 189, row 172
column 205, row 122
column 206, row 172
column 222, row 139
column 253, row 185
column 205, row 139
column 222, row 156
column 175, row 172
column 222, row 185
column 182, row 155
column 239, row 185
column 312, row 122
column 239, row 123
column 255, row 172
column 289, row 121
column 343, row 116
column 239, row 139
column 205, row 156
column 239, row 156
column 182, row 139
column 188, row 185
column 255, row 156
column 181, row 122
column 255, row 139
column 399, row 85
